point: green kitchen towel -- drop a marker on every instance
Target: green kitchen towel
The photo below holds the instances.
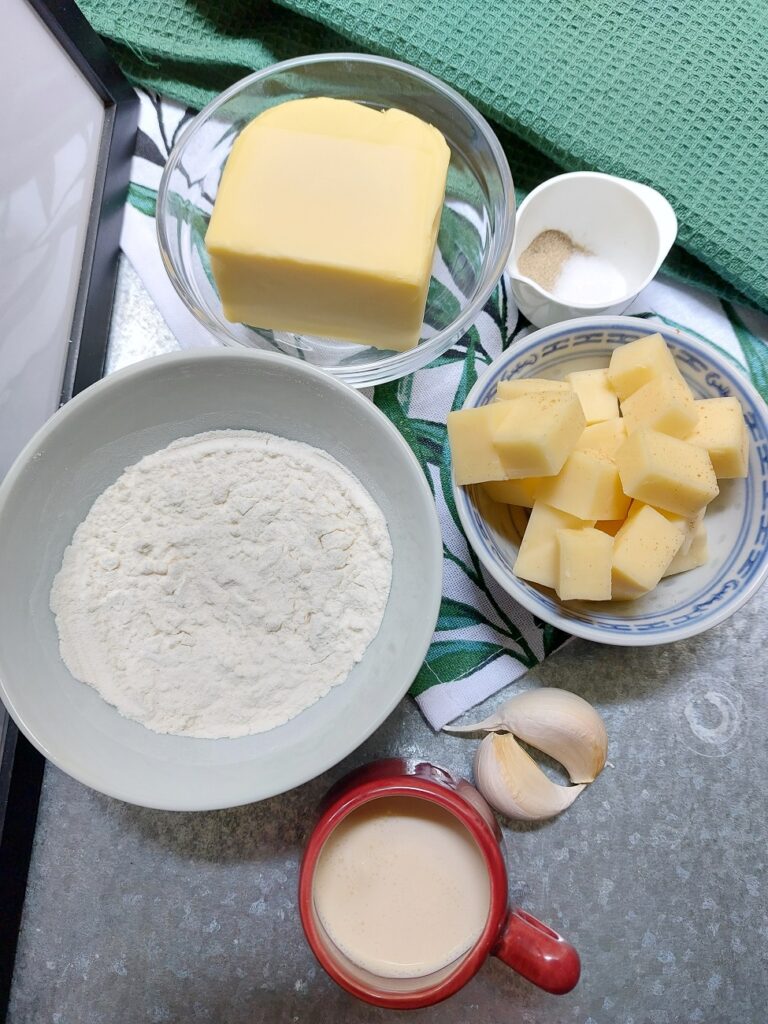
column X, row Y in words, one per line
column 670, row 92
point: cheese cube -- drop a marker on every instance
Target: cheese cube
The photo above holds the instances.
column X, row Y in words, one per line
column 696, row 555
column 688, row 526
column 597, row 397
column 514, row 492
column 325, row 221
column 605, row 438
column 585, row 565
column 538, row 433
column 507, row 389
column 666, row 472
column 643, row 550
column 664, row 404
column 638, row 362
column 610, row 526
column 720, row 428
column 538, row 559
column 588, row 486
column 470, row 434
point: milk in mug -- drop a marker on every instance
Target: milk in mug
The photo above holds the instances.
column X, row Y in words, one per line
column 401, row 887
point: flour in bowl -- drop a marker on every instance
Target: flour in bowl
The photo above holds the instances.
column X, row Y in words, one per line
column 223, row 584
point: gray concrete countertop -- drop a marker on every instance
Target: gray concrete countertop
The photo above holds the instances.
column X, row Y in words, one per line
column 658, row 873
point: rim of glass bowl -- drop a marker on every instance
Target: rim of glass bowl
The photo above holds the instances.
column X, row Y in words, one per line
column 381, row 370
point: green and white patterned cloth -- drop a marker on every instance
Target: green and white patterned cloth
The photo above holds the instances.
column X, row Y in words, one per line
column 484, row 640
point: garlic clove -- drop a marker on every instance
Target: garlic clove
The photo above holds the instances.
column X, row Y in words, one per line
column 512, row 782
column 562, row 725
column 494, row 723
column 557, row 722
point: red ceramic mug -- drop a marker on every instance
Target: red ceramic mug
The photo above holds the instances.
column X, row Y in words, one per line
column 523, row 943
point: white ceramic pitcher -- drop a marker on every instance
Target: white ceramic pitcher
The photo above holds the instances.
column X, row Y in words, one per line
column 629, row 225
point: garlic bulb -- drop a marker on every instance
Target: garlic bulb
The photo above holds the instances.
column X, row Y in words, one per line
column 557, row 722
column 512, row 782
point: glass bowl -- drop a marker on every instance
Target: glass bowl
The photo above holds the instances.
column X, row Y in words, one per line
column 475, row 231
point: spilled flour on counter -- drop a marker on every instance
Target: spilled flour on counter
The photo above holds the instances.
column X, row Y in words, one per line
column 223, row 584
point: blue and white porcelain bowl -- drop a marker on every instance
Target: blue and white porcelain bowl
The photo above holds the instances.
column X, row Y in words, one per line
column 737, row 521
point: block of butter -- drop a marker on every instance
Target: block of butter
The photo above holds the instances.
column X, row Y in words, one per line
column 325, row 222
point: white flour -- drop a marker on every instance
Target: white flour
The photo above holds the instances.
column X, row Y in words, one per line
column 224, row 584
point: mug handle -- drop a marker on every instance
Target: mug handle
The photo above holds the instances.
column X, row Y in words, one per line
column 538, row 953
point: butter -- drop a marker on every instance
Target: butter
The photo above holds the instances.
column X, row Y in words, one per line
column 585, row 565
column 720, row 428
column 638, row 362
column 538, row 559
column 597, row 397
column 326, row 219
column 643, row 550
column 507, row 389
column 538, row 432
column 666, row 472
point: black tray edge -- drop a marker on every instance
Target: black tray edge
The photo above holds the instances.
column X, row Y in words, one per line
column 21, row 766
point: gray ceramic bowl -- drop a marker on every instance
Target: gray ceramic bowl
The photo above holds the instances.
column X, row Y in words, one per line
column 82, row 450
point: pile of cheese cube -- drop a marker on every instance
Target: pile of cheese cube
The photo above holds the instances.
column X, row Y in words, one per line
column 617, row 466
